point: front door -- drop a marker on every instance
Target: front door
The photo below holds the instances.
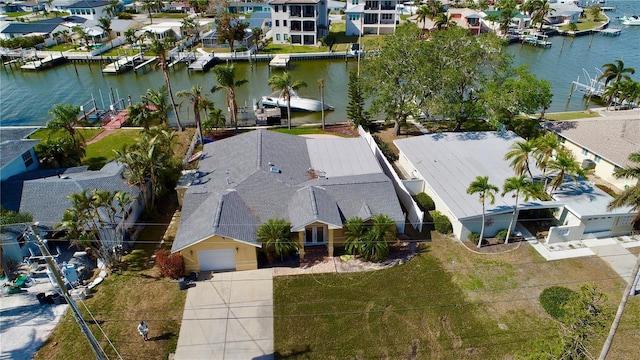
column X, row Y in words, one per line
column 314, row 235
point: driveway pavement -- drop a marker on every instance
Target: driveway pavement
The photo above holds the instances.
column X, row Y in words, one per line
column 228, row 317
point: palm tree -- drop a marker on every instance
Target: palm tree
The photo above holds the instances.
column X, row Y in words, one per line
column 159, row 48
column 321, row 88
column 160, row 107
column 225, row 75
column 484, row 189
column 631, row 195
column 65, row 117
column 275, row 235
column 81, row 34
column 542, row 10
column 519, row 185
column 139, row 114
column 285, row 84
column 375, row 246
column 564, row 164
column 355, row 232
column 195, row 96
column 444, row 21
column 423, row 13
column 519, row 156
column 149, row 5
column 215, row 119
column 546, row 146
column 104, row 23
column 191, row 26
column 616, row 72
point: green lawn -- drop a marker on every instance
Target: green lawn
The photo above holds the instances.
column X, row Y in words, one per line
column 87, row 133
column 16, row 14
column 170, row 16
column 62, row 47
column 122, row 51
column 101, row 152
column 292, row 49
column 570, row 115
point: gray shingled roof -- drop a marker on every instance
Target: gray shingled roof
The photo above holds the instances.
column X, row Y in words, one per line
column 12, row 149
column 250, row 178
column 84, row 4
column 45, row 196
column 613, row 137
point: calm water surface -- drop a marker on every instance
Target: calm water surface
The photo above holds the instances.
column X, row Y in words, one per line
column 26, row 97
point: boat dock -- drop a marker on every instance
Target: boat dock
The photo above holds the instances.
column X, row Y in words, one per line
column 186, row 57
column 268, row 116
column 203, row 62
column 145, row 63
column 610, row 31
column 593, row 87
column 49, row 61
column 280, row 61
column 536, row 40
column 123, row 64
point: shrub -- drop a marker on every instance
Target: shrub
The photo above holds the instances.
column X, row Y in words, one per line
column 425, row 202
column 441, row 223
column 170, row 265
column 474, row 237
column 386, row 149
column 501, row 235
column 553, row 300
column 125, row 16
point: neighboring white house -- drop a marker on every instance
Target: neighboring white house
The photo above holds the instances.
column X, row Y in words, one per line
column 603, row 143
column 299, row 22
column 88, row 9
column 563, row 13
column 377, row 17
column 448, row 162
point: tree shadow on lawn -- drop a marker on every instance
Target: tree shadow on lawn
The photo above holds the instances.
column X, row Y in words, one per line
column 95, row 163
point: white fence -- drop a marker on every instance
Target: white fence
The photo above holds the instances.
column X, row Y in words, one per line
column 415, row 215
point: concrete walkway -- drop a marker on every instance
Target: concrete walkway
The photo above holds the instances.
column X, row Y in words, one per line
column 228, row 317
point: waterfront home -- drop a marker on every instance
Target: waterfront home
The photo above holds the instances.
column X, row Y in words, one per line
column 602, row 144
column 88, row 9
column 467, row 19
column 443, row 165
column 248, row 7
column 299, row 22
column 377, row 17
column 315, row 184
column 563, row 13
column 519, row 21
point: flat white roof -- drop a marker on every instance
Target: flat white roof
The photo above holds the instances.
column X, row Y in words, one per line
column 585, row 199
column 342, row 157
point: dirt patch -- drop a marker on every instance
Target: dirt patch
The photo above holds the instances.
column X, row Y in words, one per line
column 344, row 130
column 385, row 133
column 492, row 246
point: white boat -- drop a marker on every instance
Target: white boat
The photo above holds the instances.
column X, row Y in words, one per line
column 630, row 20
column 297, row 103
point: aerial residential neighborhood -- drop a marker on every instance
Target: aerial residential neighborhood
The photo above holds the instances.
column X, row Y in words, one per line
column 313, row 179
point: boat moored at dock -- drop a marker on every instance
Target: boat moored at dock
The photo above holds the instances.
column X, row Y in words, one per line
column 297, row 103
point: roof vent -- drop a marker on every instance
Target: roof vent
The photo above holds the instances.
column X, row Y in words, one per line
column 324, row 177
column 275, row 170
column 228, row 181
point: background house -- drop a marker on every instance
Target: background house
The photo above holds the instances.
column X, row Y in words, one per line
column 88, row 9
column 603, row 144
column 304, row 21
column 446, row 163
column 371, row 17
column 315, row 184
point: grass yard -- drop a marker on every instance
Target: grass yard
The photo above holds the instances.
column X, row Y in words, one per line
column 292, row 49
column 87, row 133
column 62, row 47
column 101, row 152
column 118, row 305
column 570, row 115
column 16, row 14
column 447, row 303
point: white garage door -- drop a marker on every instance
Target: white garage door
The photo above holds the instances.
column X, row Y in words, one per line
column 598, row 224
column 217, row 260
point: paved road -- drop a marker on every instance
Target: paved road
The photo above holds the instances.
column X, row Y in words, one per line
column 228, row 317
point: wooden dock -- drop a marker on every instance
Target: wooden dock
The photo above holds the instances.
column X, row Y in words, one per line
column 186, row 57
column 202, row 63
column 610, row 31
column 123, row 64
column 47, row 62
column 280, row 61
column 268, row 116
column 145, row 63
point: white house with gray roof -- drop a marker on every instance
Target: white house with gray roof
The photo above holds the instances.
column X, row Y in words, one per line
column 448, row 162
column 17, row 154
column 603, row 143
column 245, row 180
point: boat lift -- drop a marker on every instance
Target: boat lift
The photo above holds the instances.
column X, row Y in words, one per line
column 592, row 88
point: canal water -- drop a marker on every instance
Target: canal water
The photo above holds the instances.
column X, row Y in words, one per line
column 26, row 97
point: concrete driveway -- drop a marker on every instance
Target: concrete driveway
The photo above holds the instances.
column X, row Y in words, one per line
column 228, row 317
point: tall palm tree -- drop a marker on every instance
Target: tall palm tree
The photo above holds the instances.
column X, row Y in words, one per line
column 519, row 185
column 139, row 114
column 507, row 9
column 519, row 156
column 321, row 88
column 545, row 147
column 542, row 10
column 159, row 48
column 444, row 21
column 195, row 97
column 423, row 13
column 65, row 117
column 485, row 190
column 285, row 84
column 616, row 72
column 355, row 232
column 631, row 195
column 563, row 165
column 275, row 235
column 104, row 23
column 160, row 108
column 225, row 75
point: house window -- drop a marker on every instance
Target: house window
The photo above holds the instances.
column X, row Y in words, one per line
column 93, row 11
column 625, row 220
column 276, row 8
column 27, row 158
column 387, row 16
column 118, row 33
column 284, row 23
column 314, row 235
column 277, row 22
column 286, row 37
column 354, row 2
column 585, row 152
column 278, row 37
column 597, row 159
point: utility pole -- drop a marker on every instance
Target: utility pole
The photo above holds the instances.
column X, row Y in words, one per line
column 97, row 350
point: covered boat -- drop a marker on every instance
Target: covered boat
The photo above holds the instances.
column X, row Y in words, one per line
column 297, row 103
